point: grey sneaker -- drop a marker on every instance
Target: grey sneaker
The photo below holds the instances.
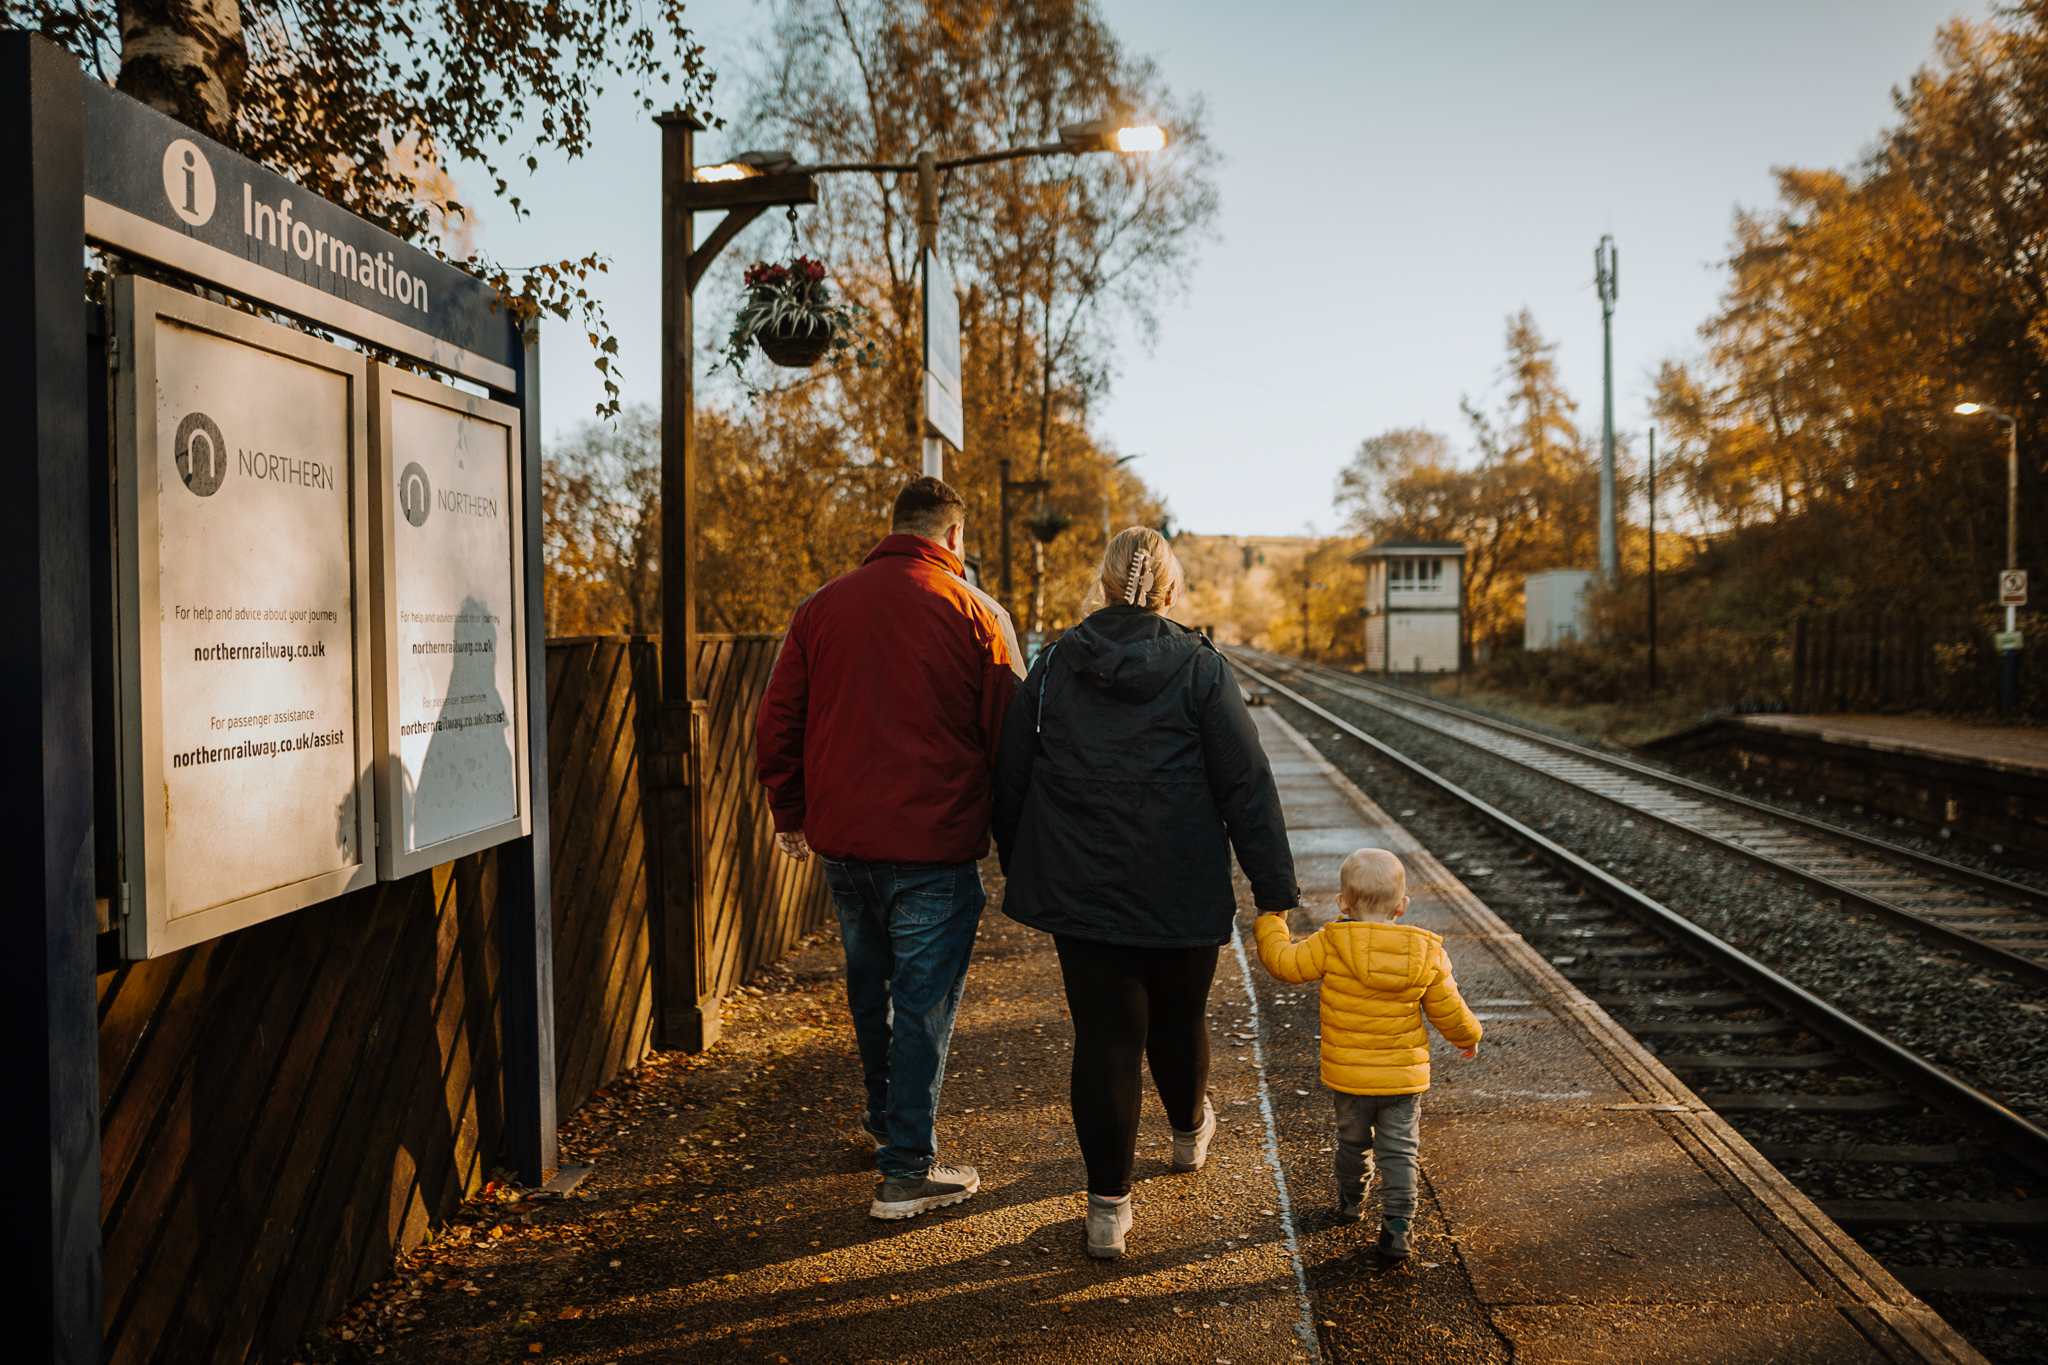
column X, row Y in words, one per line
column 1393, row 1243
column 1350, row 1204
column 875, row 1138
column 908, row 1196
column 1108, row 1220
column 1190, row 1150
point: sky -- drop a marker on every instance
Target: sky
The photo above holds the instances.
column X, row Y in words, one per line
column 1398, row 179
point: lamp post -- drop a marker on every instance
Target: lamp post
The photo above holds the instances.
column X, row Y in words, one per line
column 1306, row 587
column 2009, row 673
column 1114, row 465
column 744, row 187
column 1607, row 275
column 1653, row 559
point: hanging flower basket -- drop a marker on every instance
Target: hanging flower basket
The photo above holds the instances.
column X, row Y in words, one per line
column 789, row 310
column 795, row 345
column 1045, row 527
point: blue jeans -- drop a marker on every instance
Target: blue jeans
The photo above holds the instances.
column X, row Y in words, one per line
column 908, row 931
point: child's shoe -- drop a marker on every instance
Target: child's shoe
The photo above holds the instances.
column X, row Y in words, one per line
column 1393, row 1243
column 1350, row 1204
column 1108, row 1220
column 1190, row 1150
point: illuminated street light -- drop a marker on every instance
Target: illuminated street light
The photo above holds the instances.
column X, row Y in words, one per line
column 1110, row 135
column 745, row 166
column 2010, row 642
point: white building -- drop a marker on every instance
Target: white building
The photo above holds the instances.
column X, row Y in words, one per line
column 1414, row 595
column 1554, row 607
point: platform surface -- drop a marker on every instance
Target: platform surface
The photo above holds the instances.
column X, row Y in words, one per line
column 1577, row 1224
column 2005, row 748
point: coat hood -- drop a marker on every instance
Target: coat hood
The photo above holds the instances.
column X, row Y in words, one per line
column 1129, row 652
column 1386, row 957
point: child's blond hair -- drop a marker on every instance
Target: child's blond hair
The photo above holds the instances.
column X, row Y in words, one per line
column 1373, row 883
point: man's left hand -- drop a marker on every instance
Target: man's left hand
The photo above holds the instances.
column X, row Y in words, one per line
column 793, row 845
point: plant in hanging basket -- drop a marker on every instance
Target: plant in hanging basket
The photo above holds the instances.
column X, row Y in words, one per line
column 1045, row 527
column 789, row 310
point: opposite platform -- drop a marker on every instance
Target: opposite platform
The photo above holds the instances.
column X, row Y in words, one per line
column 1584, row 1206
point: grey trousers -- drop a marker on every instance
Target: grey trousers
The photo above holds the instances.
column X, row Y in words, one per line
column 1386, row 1127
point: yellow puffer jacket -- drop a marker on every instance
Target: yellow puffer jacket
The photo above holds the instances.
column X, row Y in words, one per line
column 1379, row 980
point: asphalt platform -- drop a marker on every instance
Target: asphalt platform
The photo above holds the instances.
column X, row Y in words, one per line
column 1579, row 1205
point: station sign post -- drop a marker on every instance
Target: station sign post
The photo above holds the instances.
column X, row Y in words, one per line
column 943, row 417
column 2012, row 595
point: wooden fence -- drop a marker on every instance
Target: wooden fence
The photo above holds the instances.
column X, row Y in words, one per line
column 1873, row 662
column 284, row 1108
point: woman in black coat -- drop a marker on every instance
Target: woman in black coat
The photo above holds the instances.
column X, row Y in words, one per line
column 1129, row 770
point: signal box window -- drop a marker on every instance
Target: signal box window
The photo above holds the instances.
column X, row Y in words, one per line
column 1415, row 575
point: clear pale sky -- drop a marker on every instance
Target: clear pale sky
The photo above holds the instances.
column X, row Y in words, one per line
column 1400, row 178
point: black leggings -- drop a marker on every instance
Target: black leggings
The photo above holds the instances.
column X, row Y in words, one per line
column 1130, row 1003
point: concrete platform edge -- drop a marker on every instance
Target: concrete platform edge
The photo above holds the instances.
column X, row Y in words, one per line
column 1882, row 1310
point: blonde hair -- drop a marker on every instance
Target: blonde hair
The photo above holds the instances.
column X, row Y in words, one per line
column 1374, row 882
column 1138, row 569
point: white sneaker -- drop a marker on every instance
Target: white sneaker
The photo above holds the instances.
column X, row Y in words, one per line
column 1190, row 1150
column 1108, row 1221
column 936, row 1188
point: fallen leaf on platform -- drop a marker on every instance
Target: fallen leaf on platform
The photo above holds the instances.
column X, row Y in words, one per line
column 570, row 1313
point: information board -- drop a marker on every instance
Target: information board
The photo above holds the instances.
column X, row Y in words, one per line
column 449, row 592
column 942, row 410
column 242, row 556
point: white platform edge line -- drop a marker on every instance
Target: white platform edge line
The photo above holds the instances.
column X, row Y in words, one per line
column 1306, row 1328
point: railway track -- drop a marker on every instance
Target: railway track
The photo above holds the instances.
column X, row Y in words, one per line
column 1900, row 1152
column 1991, row 921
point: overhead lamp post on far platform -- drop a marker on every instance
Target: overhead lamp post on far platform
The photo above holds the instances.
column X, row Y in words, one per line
column 2012, row 583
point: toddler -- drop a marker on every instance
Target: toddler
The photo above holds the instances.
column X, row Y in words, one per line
column 1380, row 979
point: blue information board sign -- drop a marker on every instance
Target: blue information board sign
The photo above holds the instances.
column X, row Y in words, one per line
column 157, row 189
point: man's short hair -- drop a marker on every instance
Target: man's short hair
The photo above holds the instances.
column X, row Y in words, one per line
column 927, row 507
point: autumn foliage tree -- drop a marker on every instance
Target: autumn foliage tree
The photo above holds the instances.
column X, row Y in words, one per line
column 1053, row 256
column 370, row 104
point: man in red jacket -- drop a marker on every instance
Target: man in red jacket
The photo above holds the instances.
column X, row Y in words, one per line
column 877, row 744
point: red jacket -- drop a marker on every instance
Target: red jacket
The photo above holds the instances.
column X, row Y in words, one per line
column 877, row 737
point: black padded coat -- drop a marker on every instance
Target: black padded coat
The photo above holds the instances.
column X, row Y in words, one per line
column 1129, row 769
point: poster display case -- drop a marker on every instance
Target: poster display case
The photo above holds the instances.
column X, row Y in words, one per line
column 242, row 570
column 448, row 590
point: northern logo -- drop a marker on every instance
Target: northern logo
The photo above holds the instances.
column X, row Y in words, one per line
column 201, row 454
column 415, row 494
column 188, row 182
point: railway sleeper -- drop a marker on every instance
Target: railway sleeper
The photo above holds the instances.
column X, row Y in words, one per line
column 2026, row 1215
column 2016, row 1284
column 1874, row 1104
column 1879, row 1153
column 1753, row 1061
column 1726, row 1028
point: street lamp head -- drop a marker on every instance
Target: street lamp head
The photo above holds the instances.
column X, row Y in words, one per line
column 1968, row 408
column 745, row 166
column 1111, row 135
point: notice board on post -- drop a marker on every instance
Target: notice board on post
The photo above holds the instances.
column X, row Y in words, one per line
column 242, row 572
column 449, row 591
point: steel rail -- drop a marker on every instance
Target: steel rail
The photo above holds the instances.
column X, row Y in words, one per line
column 1980, row 951
column 2015, row 1133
